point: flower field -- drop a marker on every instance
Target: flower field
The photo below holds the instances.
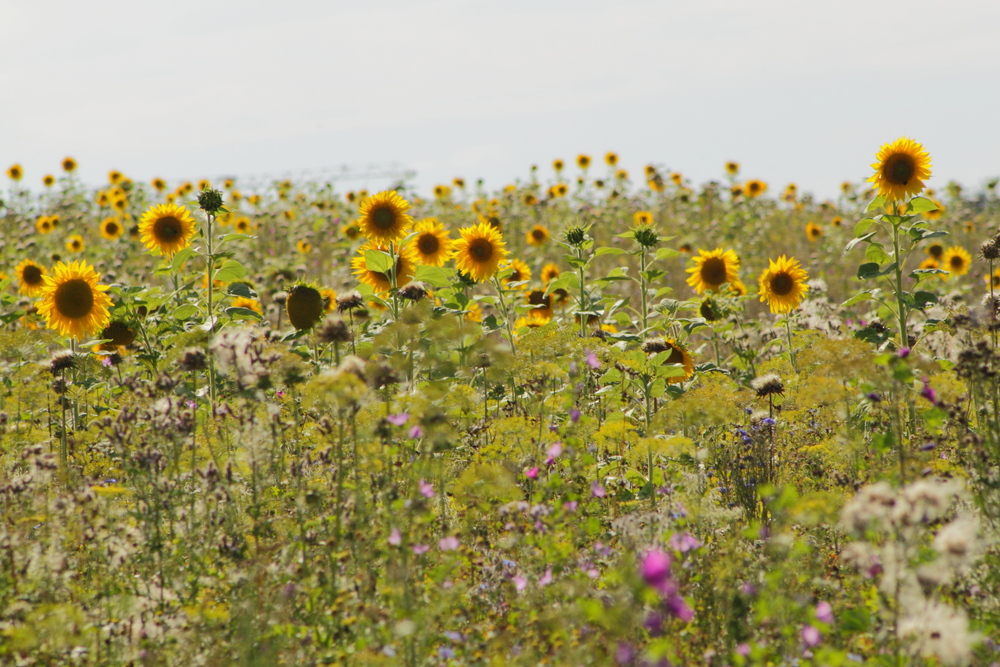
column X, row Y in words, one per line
column 592, row 418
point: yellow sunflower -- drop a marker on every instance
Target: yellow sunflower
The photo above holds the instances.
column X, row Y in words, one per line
column 993, row 280
column 44, row 224
column 473, row 312
column 166, row 228
column 713, row 269
column 458, row 182
column 329, row 300
column 676, row 177
column 537, row 235
column 115, row 177
column 522, row 272
column 783, row 284
column 382, row 282
column 901, row 170
column 956, row 261
column 541, row 302
column 533, row 319
column 937, row 213
column 119, row 336
column 935, row 250
column 15, row 172
column 610, row 159
column 479, row 251
column 583, row 161
column 813, row 231
column 732, row 168
column 69, row 165
column 111, row 228
column 643, row 218
column 48, row 180
column 351, row 231
column 303, row 246
column 837, row 221
column 754, row 188
column 678, row 355
column 529, row 199
column 31, row 276
column 432, row 245
column 930, row 263
column 549, row 273
column 74, row 243
column 383, row 218
column 242, row 225
column 250, row 304
column 558, row 165
column 73, row 302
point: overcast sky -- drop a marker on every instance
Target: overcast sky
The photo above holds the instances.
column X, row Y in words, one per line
column 795, row 90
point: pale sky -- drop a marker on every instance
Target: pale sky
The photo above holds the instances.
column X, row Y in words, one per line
column 795, row 90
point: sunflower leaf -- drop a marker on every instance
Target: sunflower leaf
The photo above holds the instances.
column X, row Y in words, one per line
column 863, row 226
column 229, row 271
column 185, row 312
column 667, row 253
column 854, row 242
column 876, row 253
column 921, row 205
column 435, row 276
column 236, row 312
column 876, row 204
column 609, row 251
column 870, row 270
column 241, row 289
column 862, row 296
column 182, row 256
column 378, row 261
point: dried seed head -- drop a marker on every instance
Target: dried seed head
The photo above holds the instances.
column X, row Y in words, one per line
column 414, row 291
column 333, row 330
column 349, row 301
column 192, row 359
column 990, row 249
column 769, row 384
column 655, row 345
column 61, row 362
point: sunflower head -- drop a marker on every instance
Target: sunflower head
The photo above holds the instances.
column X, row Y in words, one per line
column 166, row 228
column 813, row 231
column 713, row 269
column 31, row 277
column 69, row 165
column 383, row 218
column 15, row 173
column 111, row 228
column 304, row 305
column 303, row 246
column 249, row 304
column 537, row 235
column 956, row 260
column 754, row 188
column 783, row 285
column 558, row 165
column 44, row 224
column 521, row 273
column 480, row 251
column 901, row 169
column 677, row 355
column 732, row 168
column 610, row 158
column 48, row 180
column 583, row 161
column 74, row 243
column 549, row 273
column 381, row 281
column 73, row 302
column 432, row 244
column 118, row 335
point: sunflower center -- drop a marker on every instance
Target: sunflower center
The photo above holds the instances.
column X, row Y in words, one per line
column 481, row 250
column 899, row 169
column 537, row 234
column 383, row 218
column 957, row 262
column 782, row 284
column 74, row 298
column 428, row 244
column 713, row 271
column 676, row 356
column 936, row 251
column 112, row 228
column 31, row 275
column 167, row 228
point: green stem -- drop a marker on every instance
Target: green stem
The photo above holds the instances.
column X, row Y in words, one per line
column 901, row 311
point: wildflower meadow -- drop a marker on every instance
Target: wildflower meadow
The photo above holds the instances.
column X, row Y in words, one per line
column 593, row 418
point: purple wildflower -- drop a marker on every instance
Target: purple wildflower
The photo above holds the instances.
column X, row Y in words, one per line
column 398, row 420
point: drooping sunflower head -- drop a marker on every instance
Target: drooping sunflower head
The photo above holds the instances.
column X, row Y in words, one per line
column 713, row 269
column 383, row 218
column 521, row 274
column 381, row 281
column 956, row 260
column 111, row 228
column 783, row 284
column 813, row 231
column 73, row 302
column 901, row 169
column 304, row 305
column 31, row 277
column 479, row 251
column 537, row 235
column 432, row 245
column 754, row 188
column 166, row 228
column 119, row 335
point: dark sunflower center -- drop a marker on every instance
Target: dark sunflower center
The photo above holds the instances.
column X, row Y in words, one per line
column 676, row 356
column 936, row 251
column 383, row 218
column 514, row 277
column 782, row 284
column 957, row 262
column 111, row 228
column 31, row 275
column 899, row 169
column 428, row 244
column 713, row 271
column 996, row 281
column 74, row 298
column 481, row 250
column 119, row 333
column 754, row 187
column 537, row 234
column 167, row 229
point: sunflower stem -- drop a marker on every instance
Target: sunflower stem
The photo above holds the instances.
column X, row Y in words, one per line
column 791, row 348
column 210, row 270
column 642, row 289
column 901, row 310
column 508, row 326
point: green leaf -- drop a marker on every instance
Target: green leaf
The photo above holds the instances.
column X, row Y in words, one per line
column 858, row 240
column 652, row 274
column 187, row 311
column 862, row 296
column 567, row 281
column 921, row 205
column 923, row 299
column 667, row 253
column 229, row 271
column 182, row 256
column 235, row 235
column 876, row 253
column 863, row 226
column 236, row 312
column 876, row 204
column 491, row 324
column 620, row 273
column 867, row 271
column 609, row 251
column 241, row 289
column 378, row 261
column 435, row 276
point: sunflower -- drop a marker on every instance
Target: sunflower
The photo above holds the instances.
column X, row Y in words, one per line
column 479, row 251
column 111, row 228
column 583, row 161
column 473, row 312
column 783, row 285
column 558, row 165
column 541, row 302
column 930, row 263
column 813, row 231
column 901, row 170
column 119, row 336
column 643, row 218
column 713, row 269
column 458, row 182
column 242, row 225
column 956, row 261
column 382, row 282
column 736, row 192
column 69, row 165
column 935, row 250
column 48, row 180
column 204, row 184
column 655, row 183
column 993, row 280
column 678, row 355
column 537, row 235
column 521, row 274
column 31, row 276
column 329, row 300
column 383, row 217
column 529, row 199
column 44, row 224
column 676, row 177
column 304, row 306
column 351, row 231
column 166, row 228
column 73, row 303
column 732, row 168
column 610, row 159
column 432, row 245
column 533, row 319
column 936, row 213
column 74, row 243
column 115, row 177
column 303, row 246
column 15, row 172
column 549, row 273
column 249, row 304
column 837, row 221
column 442, row 191
column 754, row 188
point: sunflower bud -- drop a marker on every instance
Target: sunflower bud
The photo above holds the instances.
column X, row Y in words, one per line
column 646, row 237
column 210, row 200
column 575, row 236
column 304, row 306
